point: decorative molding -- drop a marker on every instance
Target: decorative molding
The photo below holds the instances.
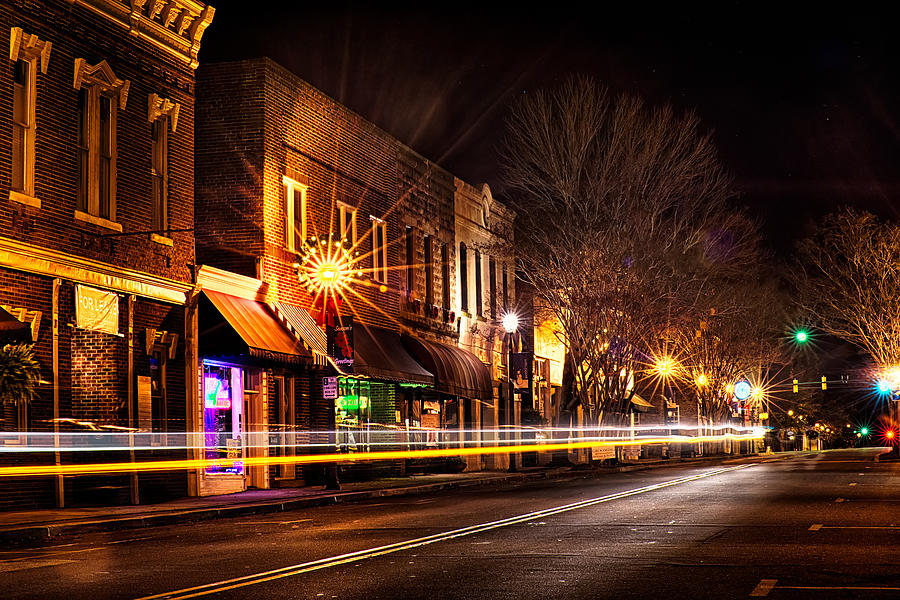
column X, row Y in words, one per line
column 102, row 76
column 28, row 46
column 162, row 240
column 159, row 107
column 159, row 337
column 24, row 199
column 22, row 256
column 24, row 315
column 99, row 221
column 176, row 26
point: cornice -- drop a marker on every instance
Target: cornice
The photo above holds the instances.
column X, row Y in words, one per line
column 22, row 256
column 176, row 26
column 29, row 46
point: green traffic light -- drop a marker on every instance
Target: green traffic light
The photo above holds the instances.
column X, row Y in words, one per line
column 801, row 336
column 864, row 431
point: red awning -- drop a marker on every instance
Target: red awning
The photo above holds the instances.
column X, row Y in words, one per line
column 456, row 371
column 259, row 334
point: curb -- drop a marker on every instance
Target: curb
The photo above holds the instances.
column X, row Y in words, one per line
column 36, row 534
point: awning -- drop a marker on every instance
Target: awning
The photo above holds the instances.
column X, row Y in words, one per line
column 305, row 327
column 640, row 405
column 249, row 329
column 379, row 353
column 456, row 371
column 14, row 331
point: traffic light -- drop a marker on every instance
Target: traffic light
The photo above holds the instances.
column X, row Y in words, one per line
column 864, row 430
column 801, row 336
column 796, row 386
column 824, row 382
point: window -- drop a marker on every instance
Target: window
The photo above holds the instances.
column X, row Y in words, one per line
column 347, row 222
column 379, row 250
column 505, row 291
column 492, row 286
column 479, row 302
column 410, row 257
column 27, row 53
column 100, row 95
column 445, row 276
column 96, row 153
column 429, row 271
column 159, row 175
column 295, row 214
column 463, row 277
column 23, row 127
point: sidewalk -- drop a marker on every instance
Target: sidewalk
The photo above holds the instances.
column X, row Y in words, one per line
column 30, row 527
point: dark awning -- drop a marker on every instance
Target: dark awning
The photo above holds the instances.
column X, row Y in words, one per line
column 14, row 331
column 456, row 371
column 249, row 329
column 379, row 353
column 640, row 405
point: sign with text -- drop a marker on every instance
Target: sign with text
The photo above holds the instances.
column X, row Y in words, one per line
column 340, row 341
column 329, row 388
column 96, row 309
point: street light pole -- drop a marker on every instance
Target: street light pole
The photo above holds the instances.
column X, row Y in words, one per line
column 511, row 327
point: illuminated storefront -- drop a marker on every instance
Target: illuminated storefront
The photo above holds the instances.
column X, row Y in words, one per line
column 223, row 418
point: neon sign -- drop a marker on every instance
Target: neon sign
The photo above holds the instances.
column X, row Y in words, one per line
column 216, row 395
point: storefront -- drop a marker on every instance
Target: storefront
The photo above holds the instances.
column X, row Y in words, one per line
column 376, row 392
column 247, row 354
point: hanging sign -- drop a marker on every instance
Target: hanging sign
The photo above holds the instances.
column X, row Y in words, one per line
column 96, row 309
column 340, row 341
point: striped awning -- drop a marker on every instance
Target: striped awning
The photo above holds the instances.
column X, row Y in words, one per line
column 456, row 371
column 250, row 329
column 304, row 327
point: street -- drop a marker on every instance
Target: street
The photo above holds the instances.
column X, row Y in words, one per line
column 823, row 525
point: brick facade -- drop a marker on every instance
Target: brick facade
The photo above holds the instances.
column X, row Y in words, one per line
column 48, row 248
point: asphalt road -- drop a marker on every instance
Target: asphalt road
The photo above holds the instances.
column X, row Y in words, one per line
column 824, row 526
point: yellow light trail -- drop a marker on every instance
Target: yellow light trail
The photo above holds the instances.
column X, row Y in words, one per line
column 174, row 465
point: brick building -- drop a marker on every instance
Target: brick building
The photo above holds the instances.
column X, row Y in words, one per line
column 281, row 166
column 96, row 190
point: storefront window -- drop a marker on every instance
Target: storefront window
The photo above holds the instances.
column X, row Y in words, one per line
column 223, row 418
column 352, row 413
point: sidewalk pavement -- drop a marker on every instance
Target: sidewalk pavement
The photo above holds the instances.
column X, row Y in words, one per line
column 30, row 527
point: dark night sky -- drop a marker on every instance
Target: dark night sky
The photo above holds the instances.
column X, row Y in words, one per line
column 804, row 105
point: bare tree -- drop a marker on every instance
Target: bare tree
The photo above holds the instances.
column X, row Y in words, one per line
column 848, row 280
column 623, row 218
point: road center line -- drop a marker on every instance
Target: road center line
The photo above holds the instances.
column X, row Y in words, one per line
column 323, row 563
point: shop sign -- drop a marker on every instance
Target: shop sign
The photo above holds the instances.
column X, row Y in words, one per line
column 329, row 388
column 96, row 309
column 340, row 342
column 603, row 452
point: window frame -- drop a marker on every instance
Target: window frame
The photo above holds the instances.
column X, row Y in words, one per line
column 345, row 209
column 290, row 221
column 429, row 269
column 28, row 126
column 159, row 175
column 410, row 262
column 445, row 275
column 379, row 251
column 463, row 277
column 90, row 181
column 479, row 301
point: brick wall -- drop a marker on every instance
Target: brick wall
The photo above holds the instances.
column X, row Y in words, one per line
column 77, row 32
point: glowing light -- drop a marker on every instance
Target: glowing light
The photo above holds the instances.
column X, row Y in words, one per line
column 883, row 386
column 510, row 322
column 889, row 434
column 864, row 431
column 665, row 366
column 167, row 465
column 327, row 269
column 801, row 336
column 742, row 390
column 702, row 380
column 791, row 413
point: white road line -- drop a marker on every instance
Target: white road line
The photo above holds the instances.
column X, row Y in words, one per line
column 332, row 561
column 763, row 587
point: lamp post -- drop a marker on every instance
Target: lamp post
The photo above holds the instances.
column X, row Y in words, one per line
column 511, row 327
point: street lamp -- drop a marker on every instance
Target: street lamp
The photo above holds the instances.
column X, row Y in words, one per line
column 511, row 327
